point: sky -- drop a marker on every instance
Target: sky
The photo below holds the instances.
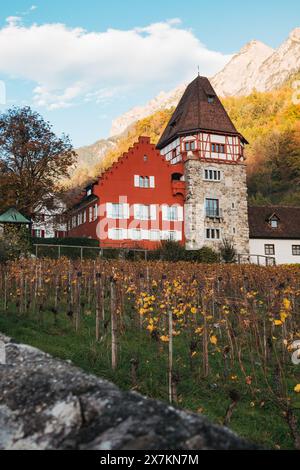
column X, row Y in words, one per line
column 82, row 63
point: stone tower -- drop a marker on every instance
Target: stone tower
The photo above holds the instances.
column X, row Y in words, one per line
column 201, row 135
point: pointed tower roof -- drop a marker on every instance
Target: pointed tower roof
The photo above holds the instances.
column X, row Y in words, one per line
column 198, row 109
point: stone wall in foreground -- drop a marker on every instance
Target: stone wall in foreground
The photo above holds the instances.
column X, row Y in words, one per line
column 46, row 403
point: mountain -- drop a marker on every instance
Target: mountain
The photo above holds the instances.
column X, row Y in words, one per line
column 162, row 101
column 89, row 157
column 255, row 66
column 281, row 64
column 241, row 73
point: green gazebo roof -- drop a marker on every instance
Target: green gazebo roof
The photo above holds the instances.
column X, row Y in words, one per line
column 12, row 216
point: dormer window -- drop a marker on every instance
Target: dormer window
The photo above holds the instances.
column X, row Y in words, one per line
column 89, row 192
column 211, row 99
column 274, row 221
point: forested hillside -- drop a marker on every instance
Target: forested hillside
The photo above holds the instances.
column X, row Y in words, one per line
column 270, row 122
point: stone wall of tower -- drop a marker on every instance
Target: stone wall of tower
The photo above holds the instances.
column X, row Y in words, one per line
column 231, row 191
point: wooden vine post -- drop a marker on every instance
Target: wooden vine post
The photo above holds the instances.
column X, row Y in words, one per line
column 77, row 316
column 113, row 313
column 98, row 304
column 170, row 356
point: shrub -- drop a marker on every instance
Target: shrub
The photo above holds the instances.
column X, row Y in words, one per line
column 227, row 252
column 174, row 251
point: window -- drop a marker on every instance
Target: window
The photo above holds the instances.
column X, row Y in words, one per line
column 79, row 218
column 296, row 250
column 218, row 148
column 144, row 181
column 116, row 234
column 210, row 99
column 172, row 213
column 142, row 212
column 89, row 192
column 190, row 146
column 172, row 236
column 154, row 235
column 84, row 216
column 117, row 211
column 145, row 158
column 274, row 222
column 212, row 175
column 136, row 234
column 269, row 250
column 95, row 212
column 212, row 207
column 213, row 234
column 90, row 214
column 38, row 233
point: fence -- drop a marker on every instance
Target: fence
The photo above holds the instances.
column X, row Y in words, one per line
column 259, row 260
column 77, row 251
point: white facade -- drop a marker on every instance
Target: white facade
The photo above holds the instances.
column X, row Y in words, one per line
column 284, row 250
column 50, row 224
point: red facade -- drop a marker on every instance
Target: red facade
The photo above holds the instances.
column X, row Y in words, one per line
column 135, row 203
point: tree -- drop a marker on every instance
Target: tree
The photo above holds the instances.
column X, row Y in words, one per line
column 32, row 160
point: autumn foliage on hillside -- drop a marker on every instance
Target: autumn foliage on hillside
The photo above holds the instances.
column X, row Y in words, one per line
column 269, row 121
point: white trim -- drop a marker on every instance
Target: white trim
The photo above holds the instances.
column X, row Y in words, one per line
column 153, row 212
column 152, row 182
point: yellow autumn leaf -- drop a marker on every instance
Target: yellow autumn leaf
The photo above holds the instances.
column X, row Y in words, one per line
column 297, row 388
column 283, row 316
column 286, row 304
column 277, row 322
column 213, row 339
column 193, row 310
column 164, row 339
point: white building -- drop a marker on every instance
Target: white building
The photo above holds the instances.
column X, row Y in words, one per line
column 50, row 223
column 274, row 234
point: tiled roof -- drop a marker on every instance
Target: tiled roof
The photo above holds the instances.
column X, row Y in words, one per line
column 288, row 222
column 198, row 109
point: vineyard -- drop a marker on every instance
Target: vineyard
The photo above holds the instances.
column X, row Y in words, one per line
column 217, row 339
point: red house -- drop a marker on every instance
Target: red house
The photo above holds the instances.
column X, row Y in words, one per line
column 136, row 203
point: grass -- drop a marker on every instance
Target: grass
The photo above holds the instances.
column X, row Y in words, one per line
column 260, row 424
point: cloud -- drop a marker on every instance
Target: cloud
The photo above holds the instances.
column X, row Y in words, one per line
column 71, row 65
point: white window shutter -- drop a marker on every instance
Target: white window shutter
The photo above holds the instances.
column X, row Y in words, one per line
column 164, row 212
column 178, row 236
column 153, row 212
column 111, row 233
column 108, row 210
column 152, row 182
column 126, row 211
column 136, row 211
column 180, row 213
column 145, row 234
column 136, row 181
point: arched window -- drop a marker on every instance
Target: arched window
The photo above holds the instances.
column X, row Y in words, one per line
column 177, row 177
